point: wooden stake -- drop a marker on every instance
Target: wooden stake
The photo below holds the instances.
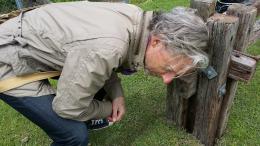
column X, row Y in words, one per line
column 209, row 96
column 178, row 94
column 247, row 16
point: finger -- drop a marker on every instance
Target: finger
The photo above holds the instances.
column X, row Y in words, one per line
column 121, row 113
column 114, row 115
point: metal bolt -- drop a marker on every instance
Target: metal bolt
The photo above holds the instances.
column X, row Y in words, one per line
column 222, row 90
column 209, row 72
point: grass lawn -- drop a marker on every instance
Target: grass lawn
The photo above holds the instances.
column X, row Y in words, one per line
column 144, row 123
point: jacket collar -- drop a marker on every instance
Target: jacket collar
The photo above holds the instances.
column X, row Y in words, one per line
column 139, row 42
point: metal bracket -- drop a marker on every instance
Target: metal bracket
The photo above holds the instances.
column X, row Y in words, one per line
column 210, row 72
column 222, row 90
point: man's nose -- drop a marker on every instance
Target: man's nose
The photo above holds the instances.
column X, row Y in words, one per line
column 168, row 77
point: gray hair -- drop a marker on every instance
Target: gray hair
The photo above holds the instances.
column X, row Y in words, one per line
column 183, row 31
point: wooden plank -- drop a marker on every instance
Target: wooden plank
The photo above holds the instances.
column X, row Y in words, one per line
column 257, row 5
column 176, row 106
column 178, row 93
column 247, row 16
column 242, row 67
column 206, row 8
column 222, row 37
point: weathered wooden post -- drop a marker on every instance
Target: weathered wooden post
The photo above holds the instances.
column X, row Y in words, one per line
column 201, row 103
column 247, row 17
column 210, row 92
column 206, row 8
column 179, row 93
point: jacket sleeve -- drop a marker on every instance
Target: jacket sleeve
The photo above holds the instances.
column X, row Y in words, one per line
column 113, row 87
column 85, row 72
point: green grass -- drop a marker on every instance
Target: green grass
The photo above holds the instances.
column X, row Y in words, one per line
column 144, row 123
column 7, row 5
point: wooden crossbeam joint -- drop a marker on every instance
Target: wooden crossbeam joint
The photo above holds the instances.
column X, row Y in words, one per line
column 242, row 66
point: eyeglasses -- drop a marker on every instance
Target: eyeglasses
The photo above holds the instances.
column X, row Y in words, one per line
column 184, row 72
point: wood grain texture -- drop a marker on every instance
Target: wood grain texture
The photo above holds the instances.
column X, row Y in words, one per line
column 176, row 106
column 256, row 33
column 242, row 67
column 206, row 8
column 222, row 37
column 247, row 17
column 178, row 94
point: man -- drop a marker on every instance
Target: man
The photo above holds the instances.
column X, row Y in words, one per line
column 90, row 42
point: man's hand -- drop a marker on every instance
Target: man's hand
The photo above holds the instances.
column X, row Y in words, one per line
column 118, row 109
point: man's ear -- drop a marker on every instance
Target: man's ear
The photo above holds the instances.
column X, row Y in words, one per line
column 154, row 41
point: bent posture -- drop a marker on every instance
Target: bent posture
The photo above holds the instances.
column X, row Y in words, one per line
column 90, row 43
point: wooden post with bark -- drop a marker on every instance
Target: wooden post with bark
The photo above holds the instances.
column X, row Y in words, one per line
column 200, row 103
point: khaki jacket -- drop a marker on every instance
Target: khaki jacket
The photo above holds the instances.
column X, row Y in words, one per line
column 88, row 41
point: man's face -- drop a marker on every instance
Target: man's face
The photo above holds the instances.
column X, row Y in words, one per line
column 161, row 63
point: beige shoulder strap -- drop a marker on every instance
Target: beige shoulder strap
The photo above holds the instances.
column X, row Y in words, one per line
column 17, row 81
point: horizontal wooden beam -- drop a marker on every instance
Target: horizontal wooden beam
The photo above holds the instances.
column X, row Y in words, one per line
column 242, row 66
